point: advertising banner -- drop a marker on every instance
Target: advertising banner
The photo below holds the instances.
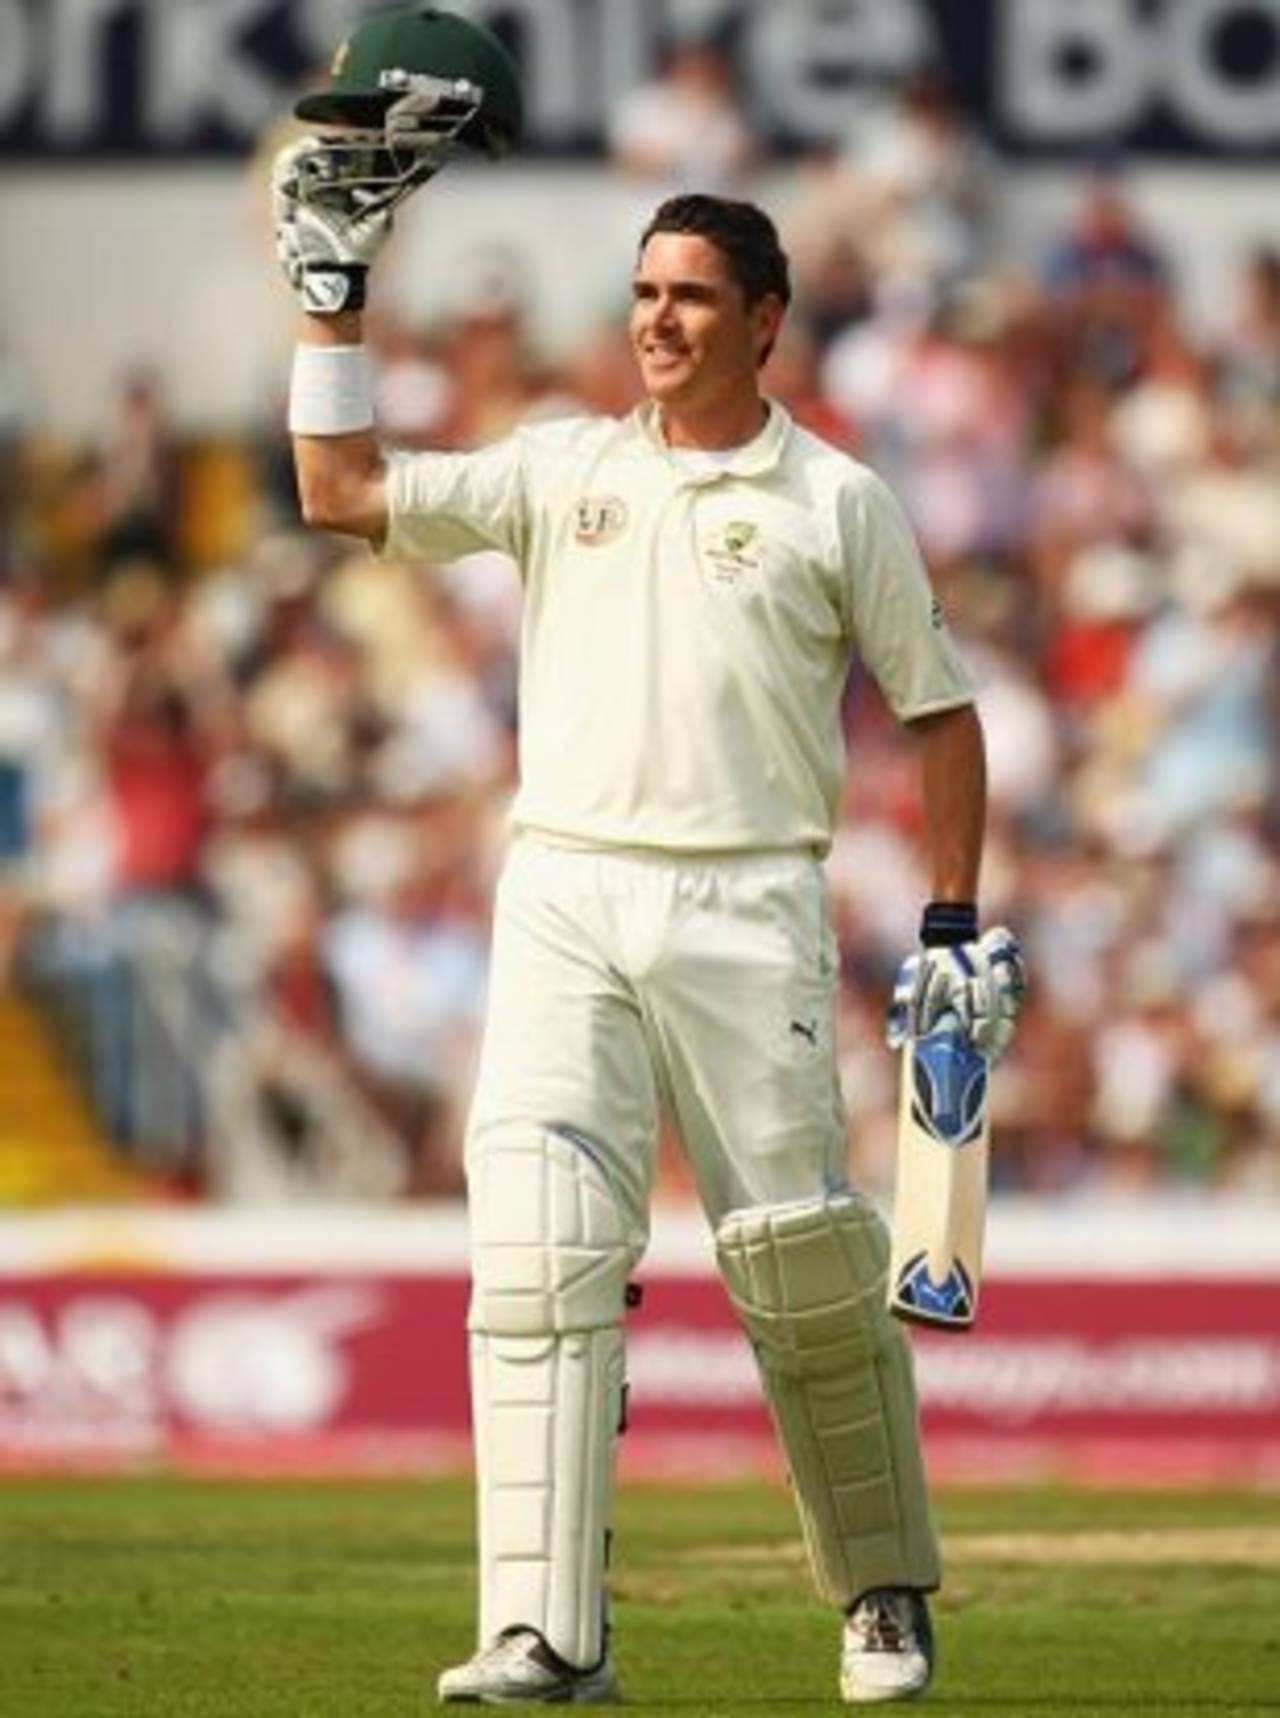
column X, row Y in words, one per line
column 1043, row 79
column 365, row 1371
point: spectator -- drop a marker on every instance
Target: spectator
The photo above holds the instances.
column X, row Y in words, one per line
column 684, row 131
column 1109, row 591
column 32, row 735
column 1200, row 679
column 136, row 478
column 407, row 956
column 1161, row 425
column 1108, row 281
column 14, row 416
column 484, row 351
column 287, row 1122
column 1225, row 509
column 1249, row 353
column 793, row 376
column 928, row 179
column 1083, row 493
column 417, row 398
column 303, row 762
column 959, row 425
column 304, row 706
column 903, row 204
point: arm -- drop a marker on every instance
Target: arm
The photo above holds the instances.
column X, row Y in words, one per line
column 953, row 776
column 326, row 246
column 980, row 979
column 439, row 506
column 334, row 204
column 902, row 636
column 341, row 478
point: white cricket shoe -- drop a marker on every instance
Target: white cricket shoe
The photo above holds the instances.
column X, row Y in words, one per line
column 887, row 1652
column 521, row 1669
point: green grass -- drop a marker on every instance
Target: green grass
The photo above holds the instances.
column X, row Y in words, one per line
column 172, row 1599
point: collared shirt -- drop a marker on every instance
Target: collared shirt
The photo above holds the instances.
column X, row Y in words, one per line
column 687, row 633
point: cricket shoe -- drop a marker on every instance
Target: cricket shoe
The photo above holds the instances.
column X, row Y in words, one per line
column 887, row 1653
column 520, row 1669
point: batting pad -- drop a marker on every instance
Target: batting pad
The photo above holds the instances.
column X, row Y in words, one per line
column 807, row 1280
column 550, row 1260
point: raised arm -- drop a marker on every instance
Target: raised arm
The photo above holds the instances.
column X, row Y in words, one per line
column 341, row 477
column 327, row 243
column 406, row 93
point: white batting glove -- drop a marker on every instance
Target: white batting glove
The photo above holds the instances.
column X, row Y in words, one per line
column 325, row 247
column 981, row 982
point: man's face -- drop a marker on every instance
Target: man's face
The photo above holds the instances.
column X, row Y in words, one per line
column 694, row 337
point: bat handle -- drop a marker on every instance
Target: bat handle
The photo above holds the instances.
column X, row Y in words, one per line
column 949, row 1075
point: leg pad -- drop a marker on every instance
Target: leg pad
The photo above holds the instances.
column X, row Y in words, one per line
column 807, row 1281
column 550, row 1260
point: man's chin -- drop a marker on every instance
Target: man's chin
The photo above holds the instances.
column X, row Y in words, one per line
column 667, row 386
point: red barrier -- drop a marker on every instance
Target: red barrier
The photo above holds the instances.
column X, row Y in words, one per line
column 359, row 1371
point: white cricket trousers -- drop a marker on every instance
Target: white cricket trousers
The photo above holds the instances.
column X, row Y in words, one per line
column 623, row 979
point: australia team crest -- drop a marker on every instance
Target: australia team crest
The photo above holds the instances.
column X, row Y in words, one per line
column 734, row 551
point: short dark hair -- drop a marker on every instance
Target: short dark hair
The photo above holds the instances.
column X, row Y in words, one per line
column 743, row 234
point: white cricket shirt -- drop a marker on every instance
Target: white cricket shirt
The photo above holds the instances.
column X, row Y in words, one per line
column 686, row 631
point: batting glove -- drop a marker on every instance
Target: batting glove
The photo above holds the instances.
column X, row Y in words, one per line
column 325, row 243
column 981, row 980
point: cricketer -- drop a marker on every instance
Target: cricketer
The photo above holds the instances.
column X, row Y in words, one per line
column 697, row 578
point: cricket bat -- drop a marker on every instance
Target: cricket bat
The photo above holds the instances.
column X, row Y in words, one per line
column 940, row 1199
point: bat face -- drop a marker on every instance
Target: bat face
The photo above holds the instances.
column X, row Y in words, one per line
column 940, row 1199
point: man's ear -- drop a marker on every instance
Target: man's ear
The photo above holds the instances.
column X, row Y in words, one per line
column 766, row 315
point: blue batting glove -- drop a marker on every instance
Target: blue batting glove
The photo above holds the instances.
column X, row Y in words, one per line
column 981, row 981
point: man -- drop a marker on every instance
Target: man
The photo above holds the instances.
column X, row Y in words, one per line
column 696, row 577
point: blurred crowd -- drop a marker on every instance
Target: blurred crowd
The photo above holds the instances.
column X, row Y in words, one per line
column 251, row 811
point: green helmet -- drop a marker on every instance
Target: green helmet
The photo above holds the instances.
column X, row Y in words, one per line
column 408, row 89
column 379, row 59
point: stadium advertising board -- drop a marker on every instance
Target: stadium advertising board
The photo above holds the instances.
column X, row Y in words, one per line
column 1045, row 79
column 366, row 1371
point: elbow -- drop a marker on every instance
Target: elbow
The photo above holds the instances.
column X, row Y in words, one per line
column 340, row 507
column 317, row 510
column 321, row 505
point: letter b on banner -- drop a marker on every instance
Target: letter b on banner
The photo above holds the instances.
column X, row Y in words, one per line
column 1071, row 69
column 1095, row 72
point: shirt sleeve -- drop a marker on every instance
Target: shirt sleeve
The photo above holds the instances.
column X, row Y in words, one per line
column 442, row 505
column 899, row 630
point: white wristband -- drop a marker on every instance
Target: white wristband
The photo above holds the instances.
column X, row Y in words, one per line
column 331, row 391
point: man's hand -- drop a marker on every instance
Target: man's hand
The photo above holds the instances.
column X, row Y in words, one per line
column 981, row 982
column 325, row 243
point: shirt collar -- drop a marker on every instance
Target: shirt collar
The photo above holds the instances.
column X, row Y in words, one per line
column 752, row 459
